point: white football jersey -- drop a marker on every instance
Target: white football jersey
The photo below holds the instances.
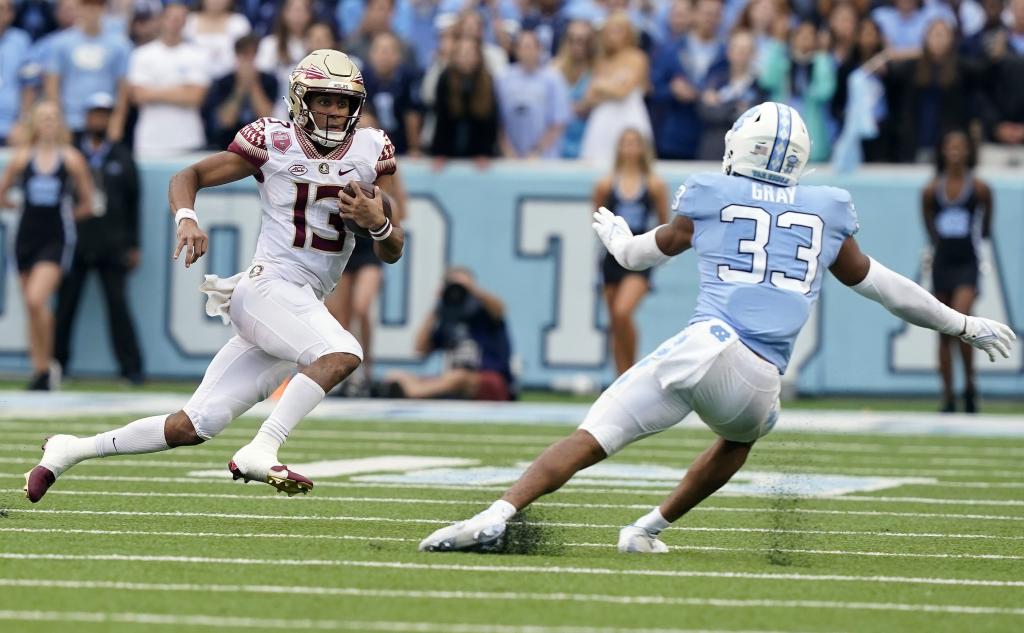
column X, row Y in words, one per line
column 302, row 237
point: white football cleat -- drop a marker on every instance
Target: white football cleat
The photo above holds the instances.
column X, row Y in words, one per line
column 482, row 533
column 636, row 540
column 252, row 463
column 56, row 459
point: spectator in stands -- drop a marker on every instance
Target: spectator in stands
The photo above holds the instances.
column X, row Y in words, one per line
column 615, row 96
column 678, row 76
column 767, row 20
column 575, row 61
column 428, row 84
column 678, row 21
column 499, row 19
column 391, row 86
column 376, row 19
column 321, row 35
column 107, row 243
column 534, row 104
column 929, row 94
column 634, row 192
column 904, row 23
column 35, row 17
column 1004, row 85
column 413, row 21
column 466, row 107
column 239, row 97
column 48, row 170
column 805, row 78
column 281, row 50
column 168, row 82
column 863, row 109
column 730, row 90
column 263, row 14
column 85, row 61
column 66, row 15
column 14, row 55
column 842, row 35
column 144, row 26
column 468, row 325
column 471, row 24
column 547, row 20
column 215, row 29
column 957, row 210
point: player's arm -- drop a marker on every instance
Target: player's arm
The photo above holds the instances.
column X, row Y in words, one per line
column 640, row 252
column 219, row 169
column 914, row 304
column 388, row 236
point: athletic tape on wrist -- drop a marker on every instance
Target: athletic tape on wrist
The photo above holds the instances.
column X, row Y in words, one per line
column 384, row 232
column 185, row 213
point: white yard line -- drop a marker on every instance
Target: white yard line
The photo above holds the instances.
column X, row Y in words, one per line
column 522, row 569
column 756, row 510
column 609, row 545
column 554, row 504
column 92, row 585
column 220, row 622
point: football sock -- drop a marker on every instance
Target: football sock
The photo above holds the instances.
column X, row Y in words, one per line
column 503, row 508
column 653, row 522
column 299, row 398
column 141, row 436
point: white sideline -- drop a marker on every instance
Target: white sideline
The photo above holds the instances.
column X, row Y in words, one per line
column 524, row 569
column 673, row 529
column 557, row 504
column 300, row 517
column 219, row 622
column 161, row 462
column 608, row 545
column 509, row 595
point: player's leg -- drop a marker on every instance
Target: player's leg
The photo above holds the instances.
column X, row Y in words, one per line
column 738, row 398
column 289, row 323
column 946, row 361
column 631, row 291
column 635, row 406
column 239, row 376
column 963, row 301
column 38, row 286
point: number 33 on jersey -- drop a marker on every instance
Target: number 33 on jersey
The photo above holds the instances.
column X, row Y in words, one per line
column 763, row 250
column 302, row 229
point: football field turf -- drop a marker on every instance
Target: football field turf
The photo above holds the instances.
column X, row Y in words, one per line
column 821, row 532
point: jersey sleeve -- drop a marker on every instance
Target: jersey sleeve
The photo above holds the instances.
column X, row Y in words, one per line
column 693, row 197
column 251, row 143
column 386, row 162
column 847, row 212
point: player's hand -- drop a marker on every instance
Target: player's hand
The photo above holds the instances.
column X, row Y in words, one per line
column 364, row 211
column 612, row 230
column 191, row 238
column 989, row 336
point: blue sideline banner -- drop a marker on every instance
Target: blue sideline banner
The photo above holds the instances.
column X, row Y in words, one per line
column 525, row 230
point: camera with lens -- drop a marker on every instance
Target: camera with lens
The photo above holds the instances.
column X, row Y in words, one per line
column 456, row 308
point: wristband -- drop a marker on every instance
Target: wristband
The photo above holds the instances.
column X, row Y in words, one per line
column 384, row 232
column 185, row 213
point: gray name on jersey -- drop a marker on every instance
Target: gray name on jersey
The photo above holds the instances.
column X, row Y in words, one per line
column 771, row 193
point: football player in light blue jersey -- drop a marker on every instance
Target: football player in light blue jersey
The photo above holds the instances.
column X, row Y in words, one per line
column 763, row 243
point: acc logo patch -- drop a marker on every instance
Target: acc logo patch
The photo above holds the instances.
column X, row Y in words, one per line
column 297, row 169
column 325, row 168
column 280, row 141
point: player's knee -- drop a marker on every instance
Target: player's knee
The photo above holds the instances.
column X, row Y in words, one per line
column 334, row 367
column 180, row 431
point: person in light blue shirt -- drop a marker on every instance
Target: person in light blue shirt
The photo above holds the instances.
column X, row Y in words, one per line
column 14, row 54
column 533, row 101
column 85, row 60
column 763, row 242
column 904, row 23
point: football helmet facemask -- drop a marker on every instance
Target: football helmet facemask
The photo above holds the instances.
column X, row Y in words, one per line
column 332, row 72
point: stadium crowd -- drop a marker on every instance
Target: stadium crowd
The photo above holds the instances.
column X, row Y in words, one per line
column 875, row 81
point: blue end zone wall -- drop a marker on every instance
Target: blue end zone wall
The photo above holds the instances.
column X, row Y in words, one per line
column 525, row 230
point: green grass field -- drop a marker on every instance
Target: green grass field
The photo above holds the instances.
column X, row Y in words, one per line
column 129, row 543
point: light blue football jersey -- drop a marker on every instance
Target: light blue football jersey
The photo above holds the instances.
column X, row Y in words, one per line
column 763, row 251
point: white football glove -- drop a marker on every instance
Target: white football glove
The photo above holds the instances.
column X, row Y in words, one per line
column 989, row 336
column 613, row 231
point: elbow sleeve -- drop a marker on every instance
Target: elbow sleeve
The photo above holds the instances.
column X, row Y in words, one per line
column 909, row 301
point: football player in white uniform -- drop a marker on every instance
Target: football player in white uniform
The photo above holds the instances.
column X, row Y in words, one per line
column 276, row 305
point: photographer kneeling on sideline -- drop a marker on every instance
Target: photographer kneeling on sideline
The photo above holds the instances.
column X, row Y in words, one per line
column 469, row 326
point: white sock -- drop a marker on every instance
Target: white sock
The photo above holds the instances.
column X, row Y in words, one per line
column 653, row 522
column 504, row 508
column 141, row 436
column 299, row 398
